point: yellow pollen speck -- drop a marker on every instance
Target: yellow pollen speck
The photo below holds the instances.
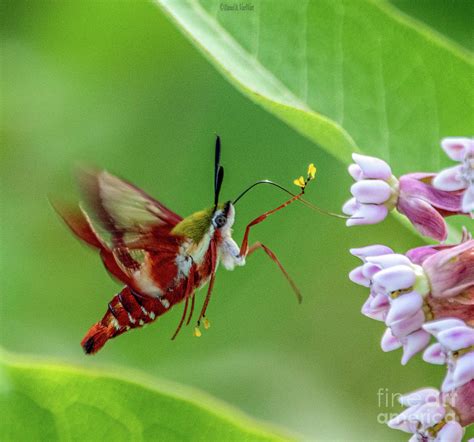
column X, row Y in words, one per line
column 300, row 182
column 206, row 323
column 197, row 332
column 311, row 171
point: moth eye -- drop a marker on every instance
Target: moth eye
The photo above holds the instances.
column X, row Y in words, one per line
column 220, row 220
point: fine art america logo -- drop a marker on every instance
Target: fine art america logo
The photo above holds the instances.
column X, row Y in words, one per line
column 232, row 7
column 388, row 401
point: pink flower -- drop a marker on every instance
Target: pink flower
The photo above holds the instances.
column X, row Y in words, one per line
column 406, row 294
column 411, row 343
column 386, row 274
column 429, row 291
column 461, row 177
column 377, row 191
column 374, row 193
column 451, row 270
column 455, row 347
column 434, row 416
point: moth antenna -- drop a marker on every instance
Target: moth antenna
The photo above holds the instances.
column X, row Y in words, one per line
column 218, row 171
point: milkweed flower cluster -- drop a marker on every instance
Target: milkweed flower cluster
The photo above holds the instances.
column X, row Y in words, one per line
column 424, row 198
column 455, row 348
column 427, row 292
column 406, row 291
column 433, row 415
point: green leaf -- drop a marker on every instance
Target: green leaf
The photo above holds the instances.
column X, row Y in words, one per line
column 452, row 19
column 349, row 75
column 344, row 73
column 56, row 402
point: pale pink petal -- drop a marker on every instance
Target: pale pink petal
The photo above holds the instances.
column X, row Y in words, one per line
column 421, row 416
column 456, row 147
column 371, row 191
column 374, row 250
column 451, row 432
column 372, row 167
column 464, row 370
column 415, row 342
column 404, row 306
column 456, row 338
column 380, row 301
column 366, row 214
column 450, row 179
column 403, row 425
column 386, row 261
column 398, row 277
column 358, row 277
column 435, row 327
column 355, row 172
column 378, row 314
column 429, row 414
column 434, row 354
column 406, row 326
column 448, row 383
column 404, row 421
column 420, row 176
column 419, row 397
column 389, row 342
column 369, row 270
column 350, row 206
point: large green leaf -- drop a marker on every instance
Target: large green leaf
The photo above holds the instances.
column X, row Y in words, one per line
column 345, row 73
column 47, row 402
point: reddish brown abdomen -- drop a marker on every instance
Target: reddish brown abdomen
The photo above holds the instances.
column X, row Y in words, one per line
column 127, row 310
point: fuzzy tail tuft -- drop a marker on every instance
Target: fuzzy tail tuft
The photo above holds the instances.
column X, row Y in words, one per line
column 96, row 338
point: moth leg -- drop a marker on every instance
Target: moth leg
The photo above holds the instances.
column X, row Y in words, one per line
column 272, row 256
column 211, row 282
column 187, row 294
column 258, row 220
column 183, row 316
column 192, row 309
column 206, row 301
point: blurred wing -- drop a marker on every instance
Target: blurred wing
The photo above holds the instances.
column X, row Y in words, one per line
column 125, row 218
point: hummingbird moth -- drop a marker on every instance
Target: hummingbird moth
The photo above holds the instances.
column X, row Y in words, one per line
column 160, row 257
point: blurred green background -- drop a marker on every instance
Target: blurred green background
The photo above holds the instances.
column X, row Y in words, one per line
column 114, row 84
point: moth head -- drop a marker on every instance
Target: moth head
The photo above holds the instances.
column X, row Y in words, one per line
column 224, row 216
